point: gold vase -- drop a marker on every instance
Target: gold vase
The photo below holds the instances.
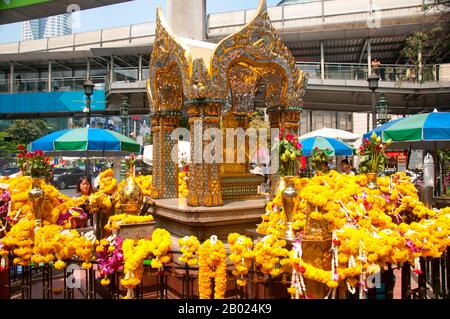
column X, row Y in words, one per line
column 288, row 197
column 372, row 180
column 131, row 195
column 37, row 199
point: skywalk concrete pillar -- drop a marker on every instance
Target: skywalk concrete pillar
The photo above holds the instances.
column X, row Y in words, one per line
column 187, row 18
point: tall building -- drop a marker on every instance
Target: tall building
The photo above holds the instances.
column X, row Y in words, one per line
column 47, row 27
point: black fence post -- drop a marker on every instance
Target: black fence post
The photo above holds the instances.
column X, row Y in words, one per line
column 389, row 282
column 423, row 280
column 186, row 295
column 406, row 280
column 435, row 269
column 442, row 275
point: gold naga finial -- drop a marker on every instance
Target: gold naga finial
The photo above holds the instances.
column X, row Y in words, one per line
column 162, row 25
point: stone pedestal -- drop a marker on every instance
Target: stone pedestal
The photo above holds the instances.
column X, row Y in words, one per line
column 182, row 220
column 136, row 231
column 245, row 186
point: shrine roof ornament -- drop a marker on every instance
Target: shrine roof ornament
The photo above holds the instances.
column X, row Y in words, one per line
column 205, row 67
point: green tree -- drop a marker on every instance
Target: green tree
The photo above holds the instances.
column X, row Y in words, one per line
column 26, row 131
column 429, row 44
column 7, row 146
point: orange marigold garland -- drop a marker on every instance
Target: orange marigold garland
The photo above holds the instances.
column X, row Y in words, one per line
column 241, row 255
column 212, row 265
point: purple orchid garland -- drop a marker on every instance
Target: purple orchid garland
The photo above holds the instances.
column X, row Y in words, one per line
column 110, row 262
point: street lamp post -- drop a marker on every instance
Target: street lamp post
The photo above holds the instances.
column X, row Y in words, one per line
column 88, row 87
column 382, row 110
column 373, row 86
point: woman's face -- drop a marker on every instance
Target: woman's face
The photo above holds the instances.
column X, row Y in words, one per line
column 85, row 187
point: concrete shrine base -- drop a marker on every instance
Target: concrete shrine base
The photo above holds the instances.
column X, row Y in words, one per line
column 181, row 220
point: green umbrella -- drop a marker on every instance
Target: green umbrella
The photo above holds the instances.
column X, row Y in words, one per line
column 429, row 130
column 86, row 142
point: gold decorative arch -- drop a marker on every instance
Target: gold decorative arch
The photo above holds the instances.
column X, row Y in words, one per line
column 217, row 84
column 170, row 56
column 257, row 44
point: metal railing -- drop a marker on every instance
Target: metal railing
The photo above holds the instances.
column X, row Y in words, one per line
column 130, row 74
column 4, row 86
column 359, row 71
column 57, row 84
column 75, row 83
column 336, row 71
column 432, row 283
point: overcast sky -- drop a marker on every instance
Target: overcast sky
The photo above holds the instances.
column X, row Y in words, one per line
column 136, row 11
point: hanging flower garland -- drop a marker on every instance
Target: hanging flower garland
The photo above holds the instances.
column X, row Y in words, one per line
column 212, row 265
column 5, row 207
column 65, row 247
column 19, row 240
column 109, row 257
column 241, row 255
column 297, row 289
column 134, row 255
column 84, row 249
column 189, row 247
column 269, row 253
column 45, row 244
column 107, row 182
column 160, row 248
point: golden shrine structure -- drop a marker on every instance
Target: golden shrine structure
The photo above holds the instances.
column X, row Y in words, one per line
column 216, row 84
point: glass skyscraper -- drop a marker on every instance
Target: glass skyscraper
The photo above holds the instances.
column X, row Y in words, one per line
column 47, row 27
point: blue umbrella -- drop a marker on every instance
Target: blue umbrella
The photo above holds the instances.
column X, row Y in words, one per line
column 418, row 131
column 331, row 146
column 379, row 129
column 84, row 142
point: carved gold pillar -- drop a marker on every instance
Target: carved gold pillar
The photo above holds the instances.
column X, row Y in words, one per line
column 285, row 117
column 165, row 169
column 205, row 187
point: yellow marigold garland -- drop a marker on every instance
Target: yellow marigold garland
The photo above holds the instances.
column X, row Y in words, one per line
column 115, row 221
column 160, row 247
column 212, row 265
column 269, row 252
column 241, row 255
column 45, row 244
column 19, row 240
column 84, row 249
column 134, row 256
column 189, row 247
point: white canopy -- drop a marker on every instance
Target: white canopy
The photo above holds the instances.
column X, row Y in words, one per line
column 184, row 153
column 332, row 133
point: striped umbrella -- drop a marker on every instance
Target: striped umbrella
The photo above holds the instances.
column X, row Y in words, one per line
column 418, row 131
column 85, row 142
column 331, row 146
